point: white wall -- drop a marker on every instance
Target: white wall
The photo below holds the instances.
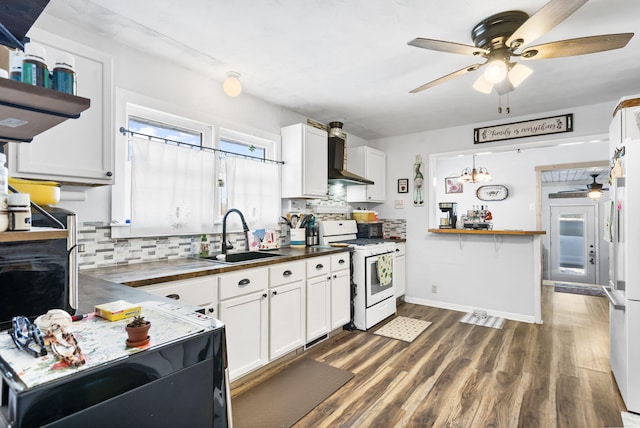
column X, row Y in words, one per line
column 514, row 170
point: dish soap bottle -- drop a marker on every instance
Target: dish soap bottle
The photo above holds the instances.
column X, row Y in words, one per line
column 204, row 246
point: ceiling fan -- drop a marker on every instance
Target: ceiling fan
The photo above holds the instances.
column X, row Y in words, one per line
column 594, row 190
column 501, row 38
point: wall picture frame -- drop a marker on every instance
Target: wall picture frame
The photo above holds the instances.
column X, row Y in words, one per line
column 451, row 185
column 403, row 185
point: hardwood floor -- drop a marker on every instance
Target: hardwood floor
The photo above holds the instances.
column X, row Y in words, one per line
column 525, row 375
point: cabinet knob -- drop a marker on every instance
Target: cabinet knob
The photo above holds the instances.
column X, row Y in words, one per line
column 319, row 266
column 343, row 261
column 109, row 174
column 244, row 282
column 211, row 310
column 286, row 273
column 274, row 292
column 264, row 296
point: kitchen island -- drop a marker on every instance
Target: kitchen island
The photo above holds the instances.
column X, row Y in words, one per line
column 499, row 271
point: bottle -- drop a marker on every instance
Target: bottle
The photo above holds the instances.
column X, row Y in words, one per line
column 204, row 246
column 16, row 66
column 19, row 211
column 63, row 77
column 34, row 67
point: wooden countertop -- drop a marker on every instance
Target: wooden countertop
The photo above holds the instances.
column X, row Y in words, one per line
column 148, row 273
column 487, row 232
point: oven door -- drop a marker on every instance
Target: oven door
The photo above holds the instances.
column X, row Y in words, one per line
column 376, row 291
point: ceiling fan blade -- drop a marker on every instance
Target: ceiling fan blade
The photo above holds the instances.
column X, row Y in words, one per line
column 451, row 47
column 550, row 15
column 579, row 46
column 446, row 78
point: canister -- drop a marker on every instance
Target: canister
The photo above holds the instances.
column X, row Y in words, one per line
column 19, row 211
column 34, row 67
column 63, row 77
column 298, row 238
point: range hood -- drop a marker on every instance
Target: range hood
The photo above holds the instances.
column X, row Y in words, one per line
column 338, row 173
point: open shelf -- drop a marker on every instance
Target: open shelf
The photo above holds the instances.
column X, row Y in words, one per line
column 27, row 110
column 35, row 234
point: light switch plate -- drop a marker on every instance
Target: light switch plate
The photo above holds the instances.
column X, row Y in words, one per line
column 399, row 203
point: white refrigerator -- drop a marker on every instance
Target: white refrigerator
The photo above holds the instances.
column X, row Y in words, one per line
column 623, row 231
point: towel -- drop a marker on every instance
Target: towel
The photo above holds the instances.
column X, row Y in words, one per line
column 385, row 262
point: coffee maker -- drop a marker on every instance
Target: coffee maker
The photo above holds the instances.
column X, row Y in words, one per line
column 451, row 217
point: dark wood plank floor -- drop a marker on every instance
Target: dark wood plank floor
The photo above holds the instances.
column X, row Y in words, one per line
column 525, row 375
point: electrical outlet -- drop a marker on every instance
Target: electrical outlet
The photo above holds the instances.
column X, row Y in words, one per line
column 434, row 288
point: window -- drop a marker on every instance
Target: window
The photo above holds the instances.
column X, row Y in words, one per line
column 163, row 187
column 247, row 184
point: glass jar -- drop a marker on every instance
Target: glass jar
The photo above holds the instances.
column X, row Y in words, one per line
column 18, row 205
column 34, row 67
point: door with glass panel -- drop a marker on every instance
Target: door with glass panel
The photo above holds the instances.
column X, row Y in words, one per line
column 573, row 256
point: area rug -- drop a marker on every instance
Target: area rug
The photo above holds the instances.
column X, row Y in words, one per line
column 403, row 328
column 489, row 321
column 283, row 399
column 578, row 289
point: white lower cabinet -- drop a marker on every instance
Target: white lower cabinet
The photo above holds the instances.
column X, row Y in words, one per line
column 286, row 308
column 200, row 291
column 244, row 311
column 399, row 269
column 318, row 297
column 340, row 290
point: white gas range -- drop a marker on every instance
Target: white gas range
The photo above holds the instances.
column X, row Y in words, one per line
column 373, row 292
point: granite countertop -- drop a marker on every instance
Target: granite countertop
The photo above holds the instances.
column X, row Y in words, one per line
column 148, row 273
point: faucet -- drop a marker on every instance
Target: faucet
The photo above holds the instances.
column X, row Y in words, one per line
column 226, row 247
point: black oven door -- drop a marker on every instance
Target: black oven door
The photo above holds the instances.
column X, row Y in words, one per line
column 34, row 277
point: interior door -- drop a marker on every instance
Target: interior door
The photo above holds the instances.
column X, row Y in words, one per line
column 573, row 256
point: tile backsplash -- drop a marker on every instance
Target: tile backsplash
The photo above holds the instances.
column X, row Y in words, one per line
column 100, row 250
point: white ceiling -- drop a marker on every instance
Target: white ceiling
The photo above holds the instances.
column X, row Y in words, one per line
column 348, row 60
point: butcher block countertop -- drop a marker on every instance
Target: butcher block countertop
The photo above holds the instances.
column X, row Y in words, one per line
column 140, row 274
column 487, row 232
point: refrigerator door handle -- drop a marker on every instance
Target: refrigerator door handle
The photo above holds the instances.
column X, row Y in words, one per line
column 613, row 298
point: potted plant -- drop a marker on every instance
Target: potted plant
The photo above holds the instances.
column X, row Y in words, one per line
column 138, row 331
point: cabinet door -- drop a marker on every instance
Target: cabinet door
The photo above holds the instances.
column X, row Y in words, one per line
column 201, row 291
column 376, row 164
column 340, row 298
column 245, row 320
column 318, row 307
column 78, row 150
column 286, row 319
column 399, row 274
column 305, row 153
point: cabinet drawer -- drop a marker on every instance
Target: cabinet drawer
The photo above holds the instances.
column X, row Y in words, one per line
column 340, row 261
column 401, row 249
column 199, row 291
column 243, row 282
column 286, row 273
column 318, row 266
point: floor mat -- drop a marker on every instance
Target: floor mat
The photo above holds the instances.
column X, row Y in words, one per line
column 403, row 328
column 493, row 322
column 283, row 399
column 578, row 289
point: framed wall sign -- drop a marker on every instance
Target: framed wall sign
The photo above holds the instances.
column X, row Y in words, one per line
column 528, row 128
column 403, row 185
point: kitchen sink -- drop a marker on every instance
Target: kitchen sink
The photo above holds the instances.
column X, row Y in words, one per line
column 242, row 257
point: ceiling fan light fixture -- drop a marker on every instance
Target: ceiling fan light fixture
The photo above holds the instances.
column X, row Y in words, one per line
column 496, row 71
column 232, row 85
column 482, row 85
column 594, row 194
column 518, row 74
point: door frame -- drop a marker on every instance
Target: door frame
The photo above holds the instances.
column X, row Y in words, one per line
column 539, row 169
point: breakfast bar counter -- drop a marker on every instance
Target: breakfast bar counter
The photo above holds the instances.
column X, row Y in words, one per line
column 499, row 271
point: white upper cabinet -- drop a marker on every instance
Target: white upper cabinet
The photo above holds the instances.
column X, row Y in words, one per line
column 304, row 152
column 78, row 151
column 369, row 163
column 626, row 122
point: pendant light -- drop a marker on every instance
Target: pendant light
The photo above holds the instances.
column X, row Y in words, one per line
column 474, row 175
column 595, row 188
